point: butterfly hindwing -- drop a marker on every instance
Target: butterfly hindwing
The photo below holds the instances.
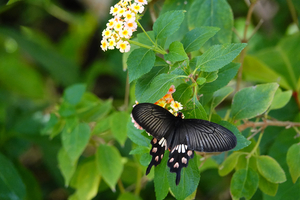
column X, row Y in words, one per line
column 178, row 158
column 157, row 152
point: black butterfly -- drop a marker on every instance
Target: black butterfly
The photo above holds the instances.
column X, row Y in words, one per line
column 180, row 136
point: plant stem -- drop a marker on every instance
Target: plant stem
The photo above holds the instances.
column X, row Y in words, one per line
column 138, row 181
column 244, row 40
column 293, row 13
column 256, row 146
column 147, row 47
column 268, row 123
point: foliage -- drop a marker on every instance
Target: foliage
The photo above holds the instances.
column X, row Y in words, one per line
column 65, row 120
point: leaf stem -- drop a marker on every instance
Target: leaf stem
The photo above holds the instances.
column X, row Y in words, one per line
column 266, row 123
column 256, row 146
column 147, row 47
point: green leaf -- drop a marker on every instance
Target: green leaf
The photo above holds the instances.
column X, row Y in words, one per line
column 220, row 95
column 224, row 75
column 176, row 52
column 244, row 183
column 195, row 39
column 269, row 168
column 139, row 150
column 229, row 164
column 144, row 82
column 145, row 159
column 183, row 93
column 257, row 71
column 158, row 87
column 140, row 62
column 143, row 38
column 280, row 99
column 53, row 127
column 66, row 110
column 293, row 161
column 267, row 187
column 118, row 124
column 189, row 180
column 195, row 110
column 136, row 135
column 250, row 102
column 242, row 142
column 284, row 59
column 161, row 183
column 109, row 164
column 11, row 184
column 75, row 139
column 216, row 13
column 74, row 93
column 128, row 196
column 201, row 80
column 218, row 56
column 66, row 165
column 91, row 109
column 86, row 180
column 168, row 23
column 210, row 76
column 102, row 126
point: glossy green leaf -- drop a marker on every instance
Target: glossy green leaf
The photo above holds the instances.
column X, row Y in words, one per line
column 242, row 142
column 255, row 70
column 293, row 161
column 143, row 38
column 183, row 93
column 168, row 23
column 102, row 126
column 145, row 159
column 267, row 187
column 74, row 93
column 53, row 127
column 270, row 169
column 189, row 180
column 252, row 101
column 136, row 135
column 218, row 56
column 280, row 99
column 229, row 164
column 161, row 183
column 224, row 75
column 244, row 183
column 66, row 165
column 210, row 76
column 140, row 62
column 216, row 13
column 284, row 59
column 11, row 184
column 75, row 139
column 109, row 160
column 158, row 87
column 195, row 39
column 143, row 83
column 176, row 52
column 118, row 124
column 195, row 110
column 220, row 95
column 86, row 180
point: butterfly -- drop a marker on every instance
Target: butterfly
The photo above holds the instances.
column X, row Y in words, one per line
column 180, row 136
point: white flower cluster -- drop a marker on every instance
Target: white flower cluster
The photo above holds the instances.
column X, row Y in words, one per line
column 120, row 28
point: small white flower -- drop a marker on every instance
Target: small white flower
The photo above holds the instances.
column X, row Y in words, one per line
column 125, row 33
column 137, row 8
column 131, row 26
column 176, row 106
column 123, row 46
column 141, row 2
column 118, row 26
column 104, row 44
column 111, row 43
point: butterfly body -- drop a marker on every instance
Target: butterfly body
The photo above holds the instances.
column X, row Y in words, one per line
column 180, row 136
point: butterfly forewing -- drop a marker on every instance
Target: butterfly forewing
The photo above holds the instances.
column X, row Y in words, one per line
column 205, row 136
column 156, row 120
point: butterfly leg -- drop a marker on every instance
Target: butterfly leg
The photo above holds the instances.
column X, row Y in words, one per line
column 179, row 158
column 157, row 152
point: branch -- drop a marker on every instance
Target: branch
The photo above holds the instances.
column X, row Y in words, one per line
column 266, row 123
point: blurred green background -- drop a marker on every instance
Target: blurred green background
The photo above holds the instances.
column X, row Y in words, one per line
column 48, row 45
